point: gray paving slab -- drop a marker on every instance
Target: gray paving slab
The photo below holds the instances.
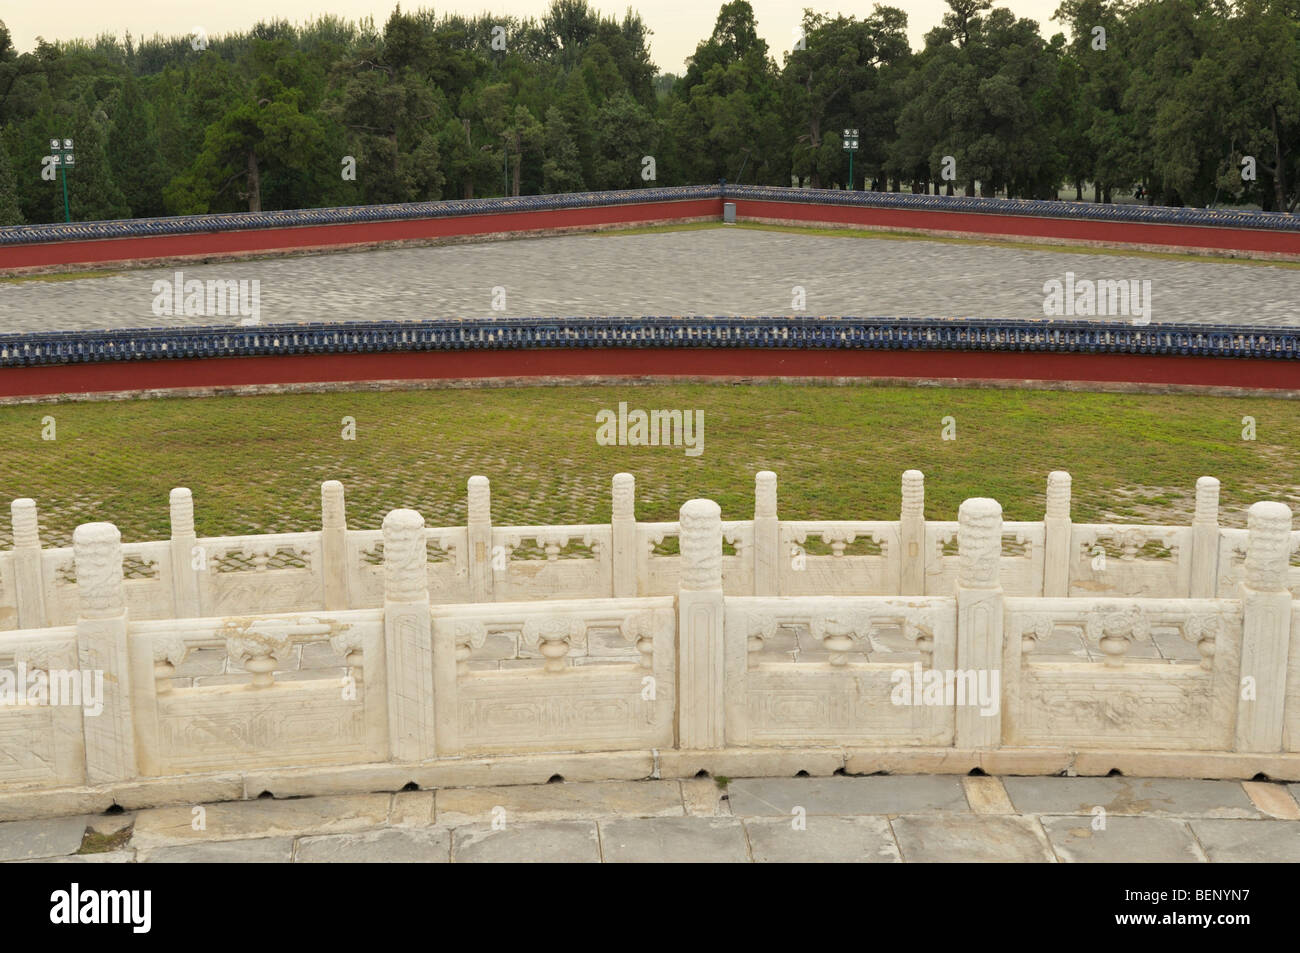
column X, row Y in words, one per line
column 541, row 842
column 106, row 857
column 1236, row 842
column 394, row 846
column 27, row 840
column 883, row 794
column 707, row 272
column 553, row 802
column 673, row 840
column 1161, row 797
column 830, row 840
column 1123, row 840
column 261, row 850
column 971, row 838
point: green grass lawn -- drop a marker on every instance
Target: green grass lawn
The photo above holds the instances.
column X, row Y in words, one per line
column 255, row 464
column 909, row 236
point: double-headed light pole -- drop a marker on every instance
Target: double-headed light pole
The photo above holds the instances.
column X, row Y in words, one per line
column 850, row 146
column 61, row 149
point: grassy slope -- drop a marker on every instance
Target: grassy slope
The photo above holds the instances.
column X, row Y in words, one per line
column 255, row 463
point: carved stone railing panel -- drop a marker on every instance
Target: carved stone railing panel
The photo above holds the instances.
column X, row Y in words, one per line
column 8, row 593
column 550, row 562
column 264, row 721
column 1127, row 560
column 658, row 558
column 777, row 702
column 275, row 573
column 560, row 704
column 40, row 743
column 841, row 557
column 1119, row 699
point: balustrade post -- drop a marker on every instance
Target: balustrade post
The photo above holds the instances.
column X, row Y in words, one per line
column 623, row 536
column 1266, row 628
column 700, row 627
column 767, row 555
column 334, row 545
column 911, row 535
column 408, row 637
column 1057, row 533
column 979, row 619
column 480, row 539
column 29, row 574
column 102, row 651
column 185, row 578
column 1205, row 540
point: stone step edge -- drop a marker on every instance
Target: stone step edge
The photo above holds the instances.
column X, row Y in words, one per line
column 325, row 780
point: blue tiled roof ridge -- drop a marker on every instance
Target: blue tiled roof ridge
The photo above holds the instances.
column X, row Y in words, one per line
column 33, row 349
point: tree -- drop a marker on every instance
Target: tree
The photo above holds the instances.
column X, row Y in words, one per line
column 561, row 170
column 10, row 213
column 134, row 153
column 624, row 133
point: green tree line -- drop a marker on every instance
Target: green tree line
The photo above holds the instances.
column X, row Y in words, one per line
column 1188, row 102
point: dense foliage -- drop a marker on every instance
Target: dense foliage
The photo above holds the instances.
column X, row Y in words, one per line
column 1167, row 95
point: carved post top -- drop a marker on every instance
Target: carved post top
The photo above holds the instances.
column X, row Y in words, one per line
column 1268, row 546
column 333, row 509
column 979, row 543
column 406, row 577
column 624, row 496
column 181, row 501
column 1207, row 500
column 97, row 554
column 26, row 529
column 1058, row 495
column 701, row 545
column 480, row 500
column 913, row 494
column 765, row 495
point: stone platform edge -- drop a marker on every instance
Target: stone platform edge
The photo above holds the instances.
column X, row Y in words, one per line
column 638, row 765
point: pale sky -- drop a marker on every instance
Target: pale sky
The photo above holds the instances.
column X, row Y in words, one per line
column 678, row 25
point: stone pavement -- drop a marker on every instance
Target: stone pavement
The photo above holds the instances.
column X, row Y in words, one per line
column 706, row 272
column 874, row 819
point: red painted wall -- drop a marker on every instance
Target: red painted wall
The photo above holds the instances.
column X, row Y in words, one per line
column 1131, row 233
column 323, row 236
column 316, row 236
column 663, row 362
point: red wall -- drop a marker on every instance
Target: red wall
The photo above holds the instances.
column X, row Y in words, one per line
column 317, row 236
column 661, row 362
column 1132, row 233
column 320, row 236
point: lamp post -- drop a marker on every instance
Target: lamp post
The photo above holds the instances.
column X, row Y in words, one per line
column 61, row 149
column 850, row 146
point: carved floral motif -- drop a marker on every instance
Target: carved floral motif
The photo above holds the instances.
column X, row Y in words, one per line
column 1115, row 632
column 553, row 636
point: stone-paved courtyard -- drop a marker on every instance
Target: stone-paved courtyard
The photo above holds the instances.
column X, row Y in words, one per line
column 715, row 271
column 875, row 819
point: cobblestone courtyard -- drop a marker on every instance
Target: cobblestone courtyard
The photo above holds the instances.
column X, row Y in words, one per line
column 698, row 272
column 875, row 819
